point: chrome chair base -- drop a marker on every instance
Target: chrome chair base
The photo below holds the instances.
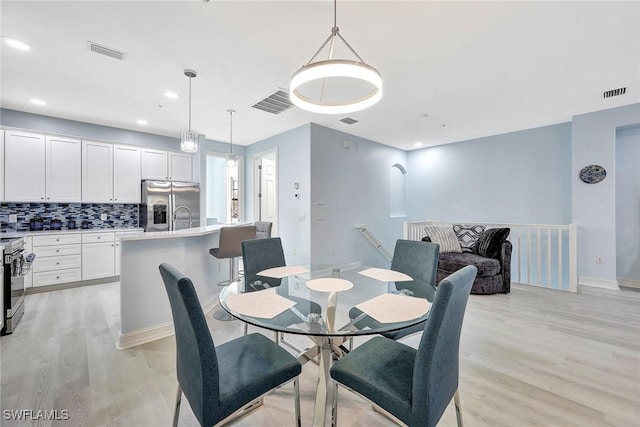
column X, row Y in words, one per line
column 223, row 316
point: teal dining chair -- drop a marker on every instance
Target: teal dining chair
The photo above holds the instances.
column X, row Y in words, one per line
column 414, row 386
column 221, row 381
column 420, row 261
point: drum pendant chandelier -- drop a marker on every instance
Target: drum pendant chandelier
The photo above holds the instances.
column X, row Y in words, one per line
column 332, row 68
column 189, row 140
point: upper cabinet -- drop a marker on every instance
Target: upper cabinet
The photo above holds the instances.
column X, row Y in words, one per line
column 126, row 174
column 159, row 164
column 41, row 169
column 97, row 172
column 180, row 167
column 110, row 173
column 63, row 170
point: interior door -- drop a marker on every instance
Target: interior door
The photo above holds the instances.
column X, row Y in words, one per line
column 267, row 193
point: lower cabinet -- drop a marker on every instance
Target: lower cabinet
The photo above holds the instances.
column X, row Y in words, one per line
column 58, row 259
column 98, row 255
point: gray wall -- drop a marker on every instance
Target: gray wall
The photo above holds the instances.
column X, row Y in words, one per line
column 293, row 165
column 594, row 206
column 518, row 177
column 351, row 186
column 628, row 205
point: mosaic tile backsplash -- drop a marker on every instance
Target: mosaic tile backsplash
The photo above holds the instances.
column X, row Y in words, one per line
column 85, row 215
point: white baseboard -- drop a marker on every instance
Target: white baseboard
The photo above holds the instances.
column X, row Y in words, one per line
column 598, row 283
column 143, row 336
column 629, row 283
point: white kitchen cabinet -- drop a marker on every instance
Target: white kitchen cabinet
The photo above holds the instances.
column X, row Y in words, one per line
column 97, row 172
column 98, row 255
column 1, row 171
column 154, row 164
column 126, row 174
column 63, row 169
column 180, row 167
column 24, row 167
column 58, row 259
column 159, row 164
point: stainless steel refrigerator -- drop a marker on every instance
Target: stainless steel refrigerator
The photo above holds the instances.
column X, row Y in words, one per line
column 169, row 205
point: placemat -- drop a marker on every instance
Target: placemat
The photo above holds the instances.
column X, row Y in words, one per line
column 280, row 272
column 385, row 275
column 264, row 304
column 391, row 308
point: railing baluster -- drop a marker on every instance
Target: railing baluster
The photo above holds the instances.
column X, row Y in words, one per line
column 519, row 259
column 549, row 258
column 560, row 279
column 528, row 256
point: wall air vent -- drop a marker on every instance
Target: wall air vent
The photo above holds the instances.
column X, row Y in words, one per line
column 275, row 103
column 614, row 92
column 348, row 120
column 106, row 51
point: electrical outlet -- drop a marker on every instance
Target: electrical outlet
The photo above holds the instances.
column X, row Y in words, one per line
column 103, row 217
column 13, row 218
column 599, row 260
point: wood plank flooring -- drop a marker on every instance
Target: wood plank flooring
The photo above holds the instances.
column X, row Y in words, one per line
column 535, row 357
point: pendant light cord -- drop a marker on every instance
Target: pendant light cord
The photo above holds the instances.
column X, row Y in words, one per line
column 231, row 131
column 189, row 103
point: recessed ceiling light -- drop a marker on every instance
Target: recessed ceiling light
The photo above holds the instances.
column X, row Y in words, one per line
column 37, row 102
column 142, row 122
column 417, row 144
column 171, row 95
column 16, row 44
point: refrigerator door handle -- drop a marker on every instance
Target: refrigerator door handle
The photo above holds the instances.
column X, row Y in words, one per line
column 172, row 214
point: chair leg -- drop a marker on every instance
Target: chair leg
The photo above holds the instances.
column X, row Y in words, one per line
column 334, row 406
column 275, row 336
column 456, row 402
column 296, row 396
column 246, row 329
column 176, row 411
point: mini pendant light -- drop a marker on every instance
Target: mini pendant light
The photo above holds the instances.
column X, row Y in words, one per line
column 189, row 140
column 335, row 68
column 232, row 161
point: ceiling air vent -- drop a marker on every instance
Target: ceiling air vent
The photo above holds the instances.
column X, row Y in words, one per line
column 275, row 103
column 106, row 51
column 348, row 120
column 614, row 92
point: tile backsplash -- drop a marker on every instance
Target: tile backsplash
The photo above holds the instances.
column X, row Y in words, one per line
column 85, row 215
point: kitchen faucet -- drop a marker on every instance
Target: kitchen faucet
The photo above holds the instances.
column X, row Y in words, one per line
column 176, row 216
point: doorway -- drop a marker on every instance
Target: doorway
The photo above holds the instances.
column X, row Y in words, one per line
column 266, row 188
column 223, row 190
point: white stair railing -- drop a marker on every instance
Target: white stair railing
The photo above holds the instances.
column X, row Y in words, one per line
column 543, row 254
column 374, row 241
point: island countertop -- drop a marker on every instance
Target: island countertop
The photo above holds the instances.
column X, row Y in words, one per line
column 177, row 234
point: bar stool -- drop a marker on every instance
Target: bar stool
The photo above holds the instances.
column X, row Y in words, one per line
column 229, row 248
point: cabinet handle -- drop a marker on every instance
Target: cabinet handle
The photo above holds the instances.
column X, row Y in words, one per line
column 48, row 198
column 41, row 198
column 57, row 277
column 98, row 237
column 57, row 240
column 57, row 250
column 57, row 263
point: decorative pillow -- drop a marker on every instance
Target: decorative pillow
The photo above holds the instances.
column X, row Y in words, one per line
column 490, row 242
column 445, row 237
column 468, row 235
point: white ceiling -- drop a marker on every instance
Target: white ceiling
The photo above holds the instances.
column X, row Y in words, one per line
column 476, row 68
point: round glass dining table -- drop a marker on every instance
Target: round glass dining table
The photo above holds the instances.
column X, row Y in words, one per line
column 330, row 305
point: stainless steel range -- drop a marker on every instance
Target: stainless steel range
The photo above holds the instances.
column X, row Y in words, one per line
column 16, row 265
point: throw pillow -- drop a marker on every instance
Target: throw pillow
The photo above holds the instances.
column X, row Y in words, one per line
column 468, row 235
column 490, row 242
column 445, row 237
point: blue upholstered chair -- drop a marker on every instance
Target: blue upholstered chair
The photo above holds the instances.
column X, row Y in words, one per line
column 221, row 381
column 261, row 254
column 414, row 386
column 418, row 260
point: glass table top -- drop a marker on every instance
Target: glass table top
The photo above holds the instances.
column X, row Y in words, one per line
column 294, row 304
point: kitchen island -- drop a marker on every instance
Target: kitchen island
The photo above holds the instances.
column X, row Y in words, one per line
column 145, row 314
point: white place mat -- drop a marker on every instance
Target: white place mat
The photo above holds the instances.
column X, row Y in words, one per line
column 385, row 275
column 329, row 284
column 280, row 272
column 391, row 308
column 264, row 304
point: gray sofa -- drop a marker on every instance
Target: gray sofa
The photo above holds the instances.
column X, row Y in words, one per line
column 494, row 274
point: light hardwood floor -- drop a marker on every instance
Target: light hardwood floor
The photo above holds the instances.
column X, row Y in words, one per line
column 534, row 357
